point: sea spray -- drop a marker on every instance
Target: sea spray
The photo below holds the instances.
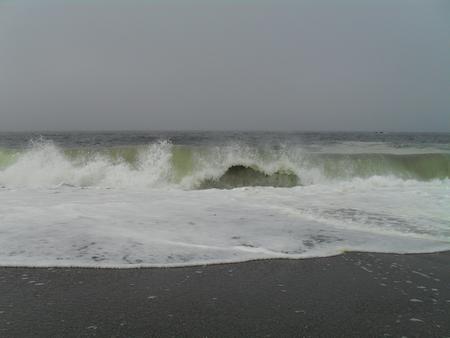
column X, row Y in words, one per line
column 191, row 167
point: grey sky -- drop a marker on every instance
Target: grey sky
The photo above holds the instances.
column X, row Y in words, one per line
column 211, row 64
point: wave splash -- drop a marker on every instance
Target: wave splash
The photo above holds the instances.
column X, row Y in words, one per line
column 163, row 164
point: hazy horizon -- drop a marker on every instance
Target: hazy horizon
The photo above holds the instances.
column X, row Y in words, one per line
column 49, row 131
column 304, row 66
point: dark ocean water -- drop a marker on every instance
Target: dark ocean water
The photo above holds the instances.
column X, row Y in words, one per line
column 120, row 138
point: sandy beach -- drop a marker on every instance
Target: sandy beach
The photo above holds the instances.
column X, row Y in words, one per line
column 351, row 295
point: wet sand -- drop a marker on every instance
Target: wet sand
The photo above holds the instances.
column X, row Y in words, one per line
column 351, row 295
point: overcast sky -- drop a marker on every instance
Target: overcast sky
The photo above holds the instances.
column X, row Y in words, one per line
column 225, row 64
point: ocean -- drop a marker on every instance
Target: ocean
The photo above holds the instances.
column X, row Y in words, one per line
column 138, row 199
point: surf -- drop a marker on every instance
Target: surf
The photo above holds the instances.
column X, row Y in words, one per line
column 163, row 164
column 119, row 202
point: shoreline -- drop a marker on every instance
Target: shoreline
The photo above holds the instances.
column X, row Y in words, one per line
column 350, row 294
column 193, row 265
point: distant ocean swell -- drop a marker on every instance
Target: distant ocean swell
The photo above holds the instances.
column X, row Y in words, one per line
column 162, row 164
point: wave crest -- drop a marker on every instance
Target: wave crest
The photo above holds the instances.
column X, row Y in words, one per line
column 242, row 176
column 163, row 164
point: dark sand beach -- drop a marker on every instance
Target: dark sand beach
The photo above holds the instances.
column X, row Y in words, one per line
column 351, row 295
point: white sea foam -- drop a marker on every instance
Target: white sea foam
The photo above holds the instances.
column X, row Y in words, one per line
column 99, row 227
column 45, row 165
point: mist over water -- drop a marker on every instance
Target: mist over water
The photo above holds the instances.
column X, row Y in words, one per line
column 166, row 198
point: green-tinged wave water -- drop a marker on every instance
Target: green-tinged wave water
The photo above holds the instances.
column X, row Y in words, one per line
column 202, row 167
column 7, row 157
column 412, row 166
column 185, row 160
column 241, row 176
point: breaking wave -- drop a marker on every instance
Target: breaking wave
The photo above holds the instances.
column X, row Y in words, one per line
column 163, row 164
